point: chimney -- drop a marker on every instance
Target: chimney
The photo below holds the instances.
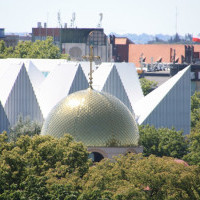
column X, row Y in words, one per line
column 39, row 25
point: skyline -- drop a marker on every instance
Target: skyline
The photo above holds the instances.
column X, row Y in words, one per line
column 128, row 16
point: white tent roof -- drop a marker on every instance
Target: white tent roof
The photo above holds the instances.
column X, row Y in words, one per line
column 57, row 85
column 119, row 79
column 130, row 80
column 101, row 75
column 21, row 98
column 8, row 76
column 145, row 106
column 4, row 123
column 36, row 76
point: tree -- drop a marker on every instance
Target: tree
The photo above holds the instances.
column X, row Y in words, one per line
column 137, row 177
column 193, row 157
column 41, row 167
column 24, row 127
column 44, row 49
column 22, row 49
column 28, row 49
column 162, row 142
column 195, row 109
column 2, row 48
column 147, row 85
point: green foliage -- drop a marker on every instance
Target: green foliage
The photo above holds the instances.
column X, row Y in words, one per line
column 195, row 109
column 24, row 127
column 147, row 85
column 37, row 49
column 22, row 49
column 41, row 167
column 135, row 177
column 193, row 157
column 162, row 142
column 65, row 56
column 44, row 49
column 2, row 47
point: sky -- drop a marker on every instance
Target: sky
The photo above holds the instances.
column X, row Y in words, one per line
column 119, row 16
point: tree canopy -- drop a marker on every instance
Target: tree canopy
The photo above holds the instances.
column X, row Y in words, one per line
column 147, row 85
column 43, row 167
column 137, row 177
column 28, row 49
column 195, row 109
column 24, row 127
column 39, row 167
column 162, row 142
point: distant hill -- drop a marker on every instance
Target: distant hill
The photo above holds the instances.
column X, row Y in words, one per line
column 20, row 33
column 143, row 38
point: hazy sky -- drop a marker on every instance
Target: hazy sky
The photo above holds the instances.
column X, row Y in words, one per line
column 119, row 16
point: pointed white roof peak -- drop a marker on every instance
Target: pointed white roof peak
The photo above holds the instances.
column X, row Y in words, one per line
column 145, row 106
column 57, row 85
column 36, row 76
column 130, row 80
column 101, row 74
column 8, row 77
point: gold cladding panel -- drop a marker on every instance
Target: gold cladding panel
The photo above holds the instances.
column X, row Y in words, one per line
column 95, row 118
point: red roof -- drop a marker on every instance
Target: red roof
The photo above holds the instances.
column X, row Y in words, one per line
column 156, row 51
column 122, row 41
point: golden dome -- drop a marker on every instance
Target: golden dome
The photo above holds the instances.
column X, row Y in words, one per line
column 95, row 118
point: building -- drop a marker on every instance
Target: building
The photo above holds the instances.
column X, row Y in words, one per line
column 10, row 40
column 163, row 53
column 99, row 120
column 168, row 105
column 120, row 48
column 76, row 41
column 25, row 84
column 41, row 33
column 2, row 33
column 27, row 37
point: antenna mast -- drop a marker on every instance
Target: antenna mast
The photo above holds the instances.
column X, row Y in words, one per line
column 99, row 25
column 59, row 20
column 73, row 20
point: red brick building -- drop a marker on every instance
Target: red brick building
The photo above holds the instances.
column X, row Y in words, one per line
column 120, row 47
column 163, row 53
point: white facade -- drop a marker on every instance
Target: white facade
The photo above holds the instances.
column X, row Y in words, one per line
column 120, row 80
column 168, row 105
column 26, row 90
column 17, row 95
column 78, row 50
column 62, row 81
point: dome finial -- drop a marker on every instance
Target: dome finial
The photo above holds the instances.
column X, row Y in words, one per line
column 91, row 58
